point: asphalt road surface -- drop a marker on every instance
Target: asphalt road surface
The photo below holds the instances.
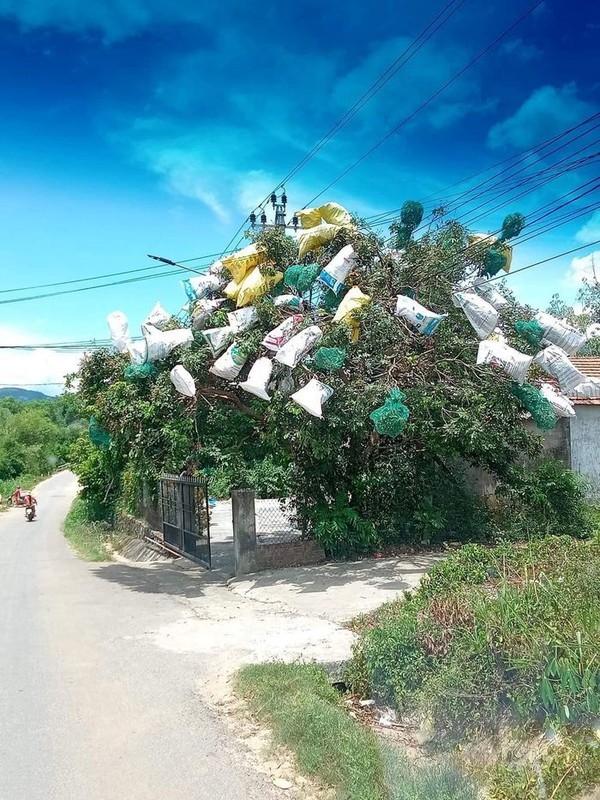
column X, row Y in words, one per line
column 90, row 707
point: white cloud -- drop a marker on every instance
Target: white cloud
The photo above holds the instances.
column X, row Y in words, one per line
column 590, row 232
column 28, row 367
column 548, row 111
column 586, row 267
column 419, row 78
column 113, row 20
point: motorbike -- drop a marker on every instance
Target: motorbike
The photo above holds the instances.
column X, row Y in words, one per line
column 17, row 502
column 30, row 513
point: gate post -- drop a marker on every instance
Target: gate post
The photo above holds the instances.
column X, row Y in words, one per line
column 244, row 530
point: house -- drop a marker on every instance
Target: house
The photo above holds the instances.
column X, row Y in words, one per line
column 576, row 440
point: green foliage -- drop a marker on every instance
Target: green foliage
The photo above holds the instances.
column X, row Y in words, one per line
column 35, row 437
column 93, row 541
column 341, row 530
column 543, row 498
column 306, row 716
column 491, row 630
column 568, row 769
column 338, row 473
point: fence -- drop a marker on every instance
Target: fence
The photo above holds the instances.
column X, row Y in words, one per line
column 264, row 535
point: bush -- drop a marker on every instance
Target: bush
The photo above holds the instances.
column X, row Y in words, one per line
column 547, row 498
column 514, row 628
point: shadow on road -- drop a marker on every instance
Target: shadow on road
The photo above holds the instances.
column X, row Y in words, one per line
column 156, row 579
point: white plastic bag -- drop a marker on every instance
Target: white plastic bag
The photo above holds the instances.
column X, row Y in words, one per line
column 499, row 355
column 161, row 343
column 200, row 286
column 592, row 331
column 158, row 317
column 119, row 331
column 489, row 292
column 561, row 404
column 555, row 362
column 336, row 272
column 217, row 268
column 560, row 333
column 138, row 352
column 482, row 316
column 313, row 396
column 276, row 338
column 298, row 346
column 289, row 301
column 258, row 378
column 588, row 389
column 203, row 309
column 424, row 321
column 242, row 319
column 183, row 381
column 218, row 338
column 230, row 364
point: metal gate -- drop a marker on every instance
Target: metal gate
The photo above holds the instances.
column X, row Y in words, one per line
column 185, row 516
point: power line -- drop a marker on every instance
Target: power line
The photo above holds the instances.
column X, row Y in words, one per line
column 428, row 101
column 387, row 216
column 117, row 274
column 374, row 89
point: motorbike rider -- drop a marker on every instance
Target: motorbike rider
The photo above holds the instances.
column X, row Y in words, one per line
column 17, row 496
column 30, row 502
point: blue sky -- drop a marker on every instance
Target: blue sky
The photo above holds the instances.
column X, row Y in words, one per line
column 141, row 126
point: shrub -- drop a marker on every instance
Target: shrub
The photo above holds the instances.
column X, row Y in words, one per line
column 513, row 628
column 547, row 498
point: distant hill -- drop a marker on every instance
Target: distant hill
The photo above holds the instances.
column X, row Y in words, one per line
column 23, row 394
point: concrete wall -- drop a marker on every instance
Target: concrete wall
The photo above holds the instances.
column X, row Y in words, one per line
column 585, row 445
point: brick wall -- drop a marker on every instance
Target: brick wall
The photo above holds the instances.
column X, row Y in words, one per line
column 288, row 554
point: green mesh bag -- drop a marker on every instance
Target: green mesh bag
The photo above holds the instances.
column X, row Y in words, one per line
column 531, row 331
column 97, row 435
column 330, row 359
column 391, row 417
column 411, row 214
column 301, row 276
column 493, row 262
column 330, row 300
column 534, row 401
column 512, row 226
column 139, row 372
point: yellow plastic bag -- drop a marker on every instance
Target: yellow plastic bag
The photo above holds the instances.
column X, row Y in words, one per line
column 491, row 241
column 240, row 263
column 316, row 237
column 354, row 300
column 335, row 214
column 254, row 285
column 309, row 217
column 232, row 290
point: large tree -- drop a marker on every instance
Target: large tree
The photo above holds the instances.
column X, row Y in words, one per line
column 345, row 480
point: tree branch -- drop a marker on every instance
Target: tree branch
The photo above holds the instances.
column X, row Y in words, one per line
column 229, row 397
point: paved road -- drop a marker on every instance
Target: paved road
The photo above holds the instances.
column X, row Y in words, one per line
column 90, row 706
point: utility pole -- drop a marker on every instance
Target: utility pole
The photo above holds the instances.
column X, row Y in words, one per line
column 259, row 220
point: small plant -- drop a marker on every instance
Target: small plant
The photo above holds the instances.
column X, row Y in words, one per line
column 342, row 531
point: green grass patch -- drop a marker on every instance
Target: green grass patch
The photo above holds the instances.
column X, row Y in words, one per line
column 308, row 717
column 491, row 631
column 92, row 540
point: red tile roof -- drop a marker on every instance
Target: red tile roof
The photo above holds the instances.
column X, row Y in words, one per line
column 590, row 366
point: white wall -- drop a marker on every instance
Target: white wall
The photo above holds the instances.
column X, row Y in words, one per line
column 585, row 444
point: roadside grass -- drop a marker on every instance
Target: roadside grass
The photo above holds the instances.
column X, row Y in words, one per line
column 498, row 637
column 93, row 541
column 307, row 716
column 8, row 486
